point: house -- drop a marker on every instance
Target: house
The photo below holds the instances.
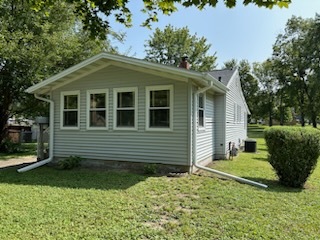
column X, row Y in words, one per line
column 114, row 110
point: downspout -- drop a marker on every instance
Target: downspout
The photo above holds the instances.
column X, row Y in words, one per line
column 51, row 125
column 195, row 164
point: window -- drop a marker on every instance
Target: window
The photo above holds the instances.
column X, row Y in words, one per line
column 239, row 112
column 201, row 110
column 125, row 106
column 97, row 109
column 70, row 109
column 159, row 108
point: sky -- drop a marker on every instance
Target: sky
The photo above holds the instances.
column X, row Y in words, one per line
column 244, row 32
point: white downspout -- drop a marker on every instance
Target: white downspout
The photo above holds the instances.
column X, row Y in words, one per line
column 195, row 164
column 51, row 125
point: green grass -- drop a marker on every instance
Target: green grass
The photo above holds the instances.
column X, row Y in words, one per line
column 27, row 149
column 85, row 204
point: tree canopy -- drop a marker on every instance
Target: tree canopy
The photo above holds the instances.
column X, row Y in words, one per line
column 296, row 51
column 169, row 45
column 96, row 14
column 33, row 46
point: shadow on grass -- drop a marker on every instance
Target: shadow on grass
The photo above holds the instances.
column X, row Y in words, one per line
column 75, row 178
column 255, row 131
column 274, row 185
column 260, row 159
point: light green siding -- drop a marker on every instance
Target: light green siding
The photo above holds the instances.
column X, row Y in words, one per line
column 205, row 136
column 220, row 126
column 166, row 147
column 236, row 128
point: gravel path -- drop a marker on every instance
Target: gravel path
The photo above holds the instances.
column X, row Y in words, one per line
column 17, row 161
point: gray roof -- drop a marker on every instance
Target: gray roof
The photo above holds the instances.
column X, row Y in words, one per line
column 223, row 76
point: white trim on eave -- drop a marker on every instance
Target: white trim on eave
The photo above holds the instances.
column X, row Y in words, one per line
column 241, row 92
column 179, row 73
column 64, row 73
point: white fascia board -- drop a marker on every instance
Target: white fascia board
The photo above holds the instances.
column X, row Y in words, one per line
column 132, row 61
column 241, row 92
column 232, row 78
column 64, row 73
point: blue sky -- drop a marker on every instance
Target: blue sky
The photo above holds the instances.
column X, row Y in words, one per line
column 244, row 32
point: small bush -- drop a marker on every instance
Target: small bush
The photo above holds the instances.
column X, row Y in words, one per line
column 8, row 146
column 150, row 168
column 69, row 162
column 293, row 153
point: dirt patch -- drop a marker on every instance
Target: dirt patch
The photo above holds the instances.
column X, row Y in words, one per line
column 17, row 161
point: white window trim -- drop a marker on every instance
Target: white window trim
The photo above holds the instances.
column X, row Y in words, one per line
column 157, row 88
column 97, row 91
column 202, row 128
column 115, row 98
column 62, row 95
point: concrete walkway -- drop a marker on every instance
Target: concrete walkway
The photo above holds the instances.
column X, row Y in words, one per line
column 17, row 161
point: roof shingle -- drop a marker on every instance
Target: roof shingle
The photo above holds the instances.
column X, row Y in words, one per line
column 223, row 75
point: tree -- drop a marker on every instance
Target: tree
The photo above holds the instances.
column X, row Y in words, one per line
column 34, row 46
column 95, row 14
column 268, row 89
column 249, row 83
column 297, row 52
column 168, row 46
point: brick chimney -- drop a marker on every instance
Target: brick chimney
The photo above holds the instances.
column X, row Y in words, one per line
column 184, row 63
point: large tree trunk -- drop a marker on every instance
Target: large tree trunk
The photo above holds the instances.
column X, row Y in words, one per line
column 301, row 103
column 303, row 123
column 270, row 114
column 313, row 116
column 314, row 122
column 270, row 110
column 282, row 115
column 6, row 96
column 3, row 126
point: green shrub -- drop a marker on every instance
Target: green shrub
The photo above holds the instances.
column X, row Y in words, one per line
column 9, row 146
column 293, row 153
column 69, row 162
column 150, row 168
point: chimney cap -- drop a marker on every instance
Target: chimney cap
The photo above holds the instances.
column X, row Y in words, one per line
column 185, row 57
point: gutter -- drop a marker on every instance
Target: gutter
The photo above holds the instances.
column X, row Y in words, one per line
column 194, row 146
column 51, row 125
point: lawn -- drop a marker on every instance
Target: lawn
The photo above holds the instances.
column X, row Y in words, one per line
column 46, row 203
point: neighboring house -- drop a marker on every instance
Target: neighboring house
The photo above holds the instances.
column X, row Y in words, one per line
column 113, row 109
column 20, row 130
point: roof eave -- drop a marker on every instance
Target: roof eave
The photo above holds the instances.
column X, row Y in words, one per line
column 45, row 86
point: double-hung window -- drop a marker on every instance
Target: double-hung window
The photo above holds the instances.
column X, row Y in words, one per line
column 97, row 109
column 201, row 110
column 125, row 108
column 70, row 105
column 159, row 107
